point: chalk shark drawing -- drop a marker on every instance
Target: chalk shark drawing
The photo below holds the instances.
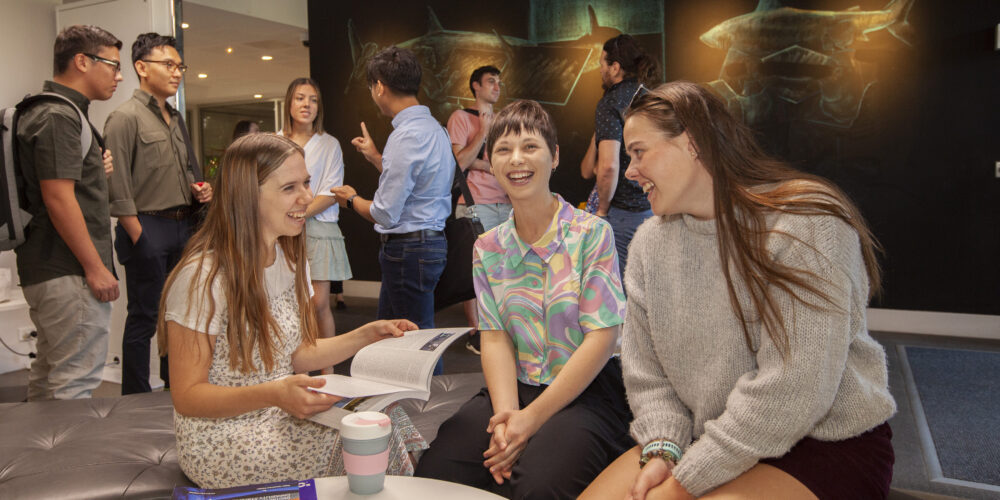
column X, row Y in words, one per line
column 779, row 56
column 547, row 72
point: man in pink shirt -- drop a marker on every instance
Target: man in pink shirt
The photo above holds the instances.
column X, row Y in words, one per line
column 468, row 129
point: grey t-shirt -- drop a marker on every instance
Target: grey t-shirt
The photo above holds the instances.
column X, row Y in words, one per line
column 48, row 141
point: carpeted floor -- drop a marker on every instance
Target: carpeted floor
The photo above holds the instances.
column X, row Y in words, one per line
column 916, row 468
column 959, row 394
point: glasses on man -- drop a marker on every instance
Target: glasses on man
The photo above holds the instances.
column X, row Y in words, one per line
column 171, row 66
column 116, row 65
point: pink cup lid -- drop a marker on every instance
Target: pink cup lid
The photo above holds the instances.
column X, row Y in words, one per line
column 365, row 425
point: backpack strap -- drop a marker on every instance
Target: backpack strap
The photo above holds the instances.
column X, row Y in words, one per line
column 482, row 151
column 192, row 159
column 460, row 182
column 13, row 218
column 87, row 132
column 7, row 122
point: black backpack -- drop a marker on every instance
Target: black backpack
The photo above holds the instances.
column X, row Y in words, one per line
column 14, row 218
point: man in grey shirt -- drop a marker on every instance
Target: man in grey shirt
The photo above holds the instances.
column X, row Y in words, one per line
column 154, row 194
column 65, row 263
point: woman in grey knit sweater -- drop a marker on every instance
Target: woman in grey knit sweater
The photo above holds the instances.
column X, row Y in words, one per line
column 757, row 378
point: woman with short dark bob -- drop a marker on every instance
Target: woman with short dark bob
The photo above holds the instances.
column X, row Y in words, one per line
column 748, row 364
column 242, row 335
column 553, row 412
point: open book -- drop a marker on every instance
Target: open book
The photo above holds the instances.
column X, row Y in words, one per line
column 387, row 371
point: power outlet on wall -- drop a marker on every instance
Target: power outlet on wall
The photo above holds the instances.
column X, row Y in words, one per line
column 998, row 170
column 25, row 333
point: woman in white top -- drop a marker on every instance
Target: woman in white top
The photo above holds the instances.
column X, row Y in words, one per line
column 242, row 333
column 328, row 262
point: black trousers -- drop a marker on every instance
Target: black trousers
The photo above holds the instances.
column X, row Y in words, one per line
column 559, row 461
column 147, row 264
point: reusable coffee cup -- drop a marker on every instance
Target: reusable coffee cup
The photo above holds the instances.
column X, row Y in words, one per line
column 365, row 436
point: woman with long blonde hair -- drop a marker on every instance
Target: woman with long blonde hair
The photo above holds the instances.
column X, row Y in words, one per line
column 325, row 248
column 748, row 364
column 237, row 320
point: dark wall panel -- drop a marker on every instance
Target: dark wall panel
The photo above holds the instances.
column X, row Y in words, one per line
column 895, row 101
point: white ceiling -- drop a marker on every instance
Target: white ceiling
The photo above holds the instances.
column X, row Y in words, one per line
column 236, row 77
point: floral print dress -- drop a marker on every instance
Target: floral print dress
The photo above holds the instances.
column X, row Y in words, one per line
column 265, row 445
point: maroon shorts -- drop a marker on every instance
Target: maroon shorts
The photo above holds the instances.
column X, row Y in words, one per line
column 859, row 467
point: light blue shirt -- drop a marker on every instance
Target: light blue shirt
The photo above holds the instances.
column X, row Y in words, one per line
column 418, row 167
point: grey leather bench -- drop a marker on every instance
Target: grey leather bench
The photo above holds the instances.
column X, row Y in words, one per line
column 125, row 447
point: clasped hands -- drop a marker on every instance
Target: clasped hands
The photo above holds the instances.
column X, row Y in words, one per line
column 657, row 472
column 510, row 431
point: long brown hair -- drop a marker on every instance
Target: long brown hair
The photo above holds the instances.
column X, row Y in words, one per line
column 747, row 185
column 286, row 123
column 229, row 250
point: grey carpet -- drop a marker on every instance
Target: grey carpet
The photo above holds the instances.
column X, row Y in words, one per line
column 959, row 391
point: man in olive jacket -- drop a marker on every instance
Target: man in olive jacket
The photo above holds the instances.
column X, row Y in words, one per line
column 154, row 194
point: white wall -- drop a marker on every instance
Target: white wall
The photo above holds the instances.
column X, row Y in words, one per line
column 27, row 29
column 291, row 12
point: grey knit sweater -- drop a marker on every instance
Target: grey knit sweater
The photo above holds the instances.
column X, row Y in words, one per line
column 690, row 377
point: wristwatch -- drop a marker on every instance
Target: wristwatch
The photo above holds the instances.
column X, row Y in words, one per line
column 350, row 201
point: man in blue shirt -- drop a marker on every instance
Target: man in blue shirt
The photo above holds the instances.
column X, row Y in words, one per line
column 413, row 198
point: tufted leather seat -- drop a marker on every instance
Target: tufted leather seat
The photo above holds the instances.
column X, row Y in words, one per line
column 448, row 394
column 89, row 448
column 125, row 447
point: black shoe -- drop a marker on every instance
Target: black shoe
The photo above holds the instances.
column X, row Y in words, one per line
column 341, row 305
column 473, row 343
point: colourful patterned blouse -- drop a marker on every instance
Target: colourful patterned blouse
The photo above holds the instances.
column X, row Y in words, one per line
column 547, row 295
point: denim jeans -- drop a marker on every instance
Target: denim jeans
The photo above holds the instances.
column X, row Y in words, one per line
column 411, row 268
column 624, row 224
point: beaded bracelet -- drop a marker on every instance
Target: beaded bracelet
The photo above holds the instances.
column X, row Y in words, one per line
column 661, row 448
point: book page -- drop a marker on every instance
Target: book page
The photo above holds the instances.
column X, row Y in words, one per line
column 331, row 417
column 354, row 387
column 406, row 361
column 387, row 371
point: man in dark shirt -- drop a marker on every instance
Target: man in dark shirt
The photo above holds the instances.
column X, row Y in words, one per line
column 620, row 201
column 65, row 263
column 153, row 194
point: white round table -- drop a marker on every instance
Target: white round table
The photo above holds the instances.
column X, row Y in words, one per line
column 402, row 487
